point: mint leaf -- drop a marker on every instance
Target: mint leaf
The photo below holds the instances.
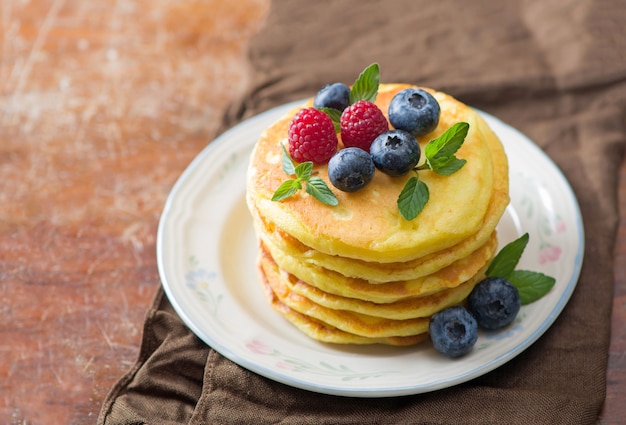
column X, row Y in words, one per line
column 413, row 198
column 314, row 186
column 440, row 152
column 286, row 189
column 440, row 158
column 450, row 166
column 530, row 285
column 449, row 142
column 318, row 188
column 366, row 85
column 288, row 166
column 303, row 171
column 506, row 260
column 335, row 115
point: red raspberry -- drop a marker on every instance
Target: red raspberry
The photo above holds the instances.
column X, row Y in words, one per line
column 361, row 123
column 312, row 136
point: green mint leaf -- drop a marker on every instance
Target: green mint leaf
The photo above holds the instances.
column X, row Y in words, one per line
column 530, row 285
column 286, row 189
column 506, row 260
column 314, row 186
column 318, row 188
column 413, row 198
column 450, row 166
column 287, row 163
column 440, row 152
column 303, row 171
column 335, row 115
column 366, row 85
column 449, row 142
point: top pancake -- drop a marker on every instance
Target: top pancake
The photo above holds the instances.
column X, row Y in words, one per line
column 366, row 225
column 376, row 272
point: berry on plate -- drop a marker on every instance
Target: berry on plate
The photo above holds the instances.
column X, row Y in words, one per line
column 414, row 110
column 312, row 136
column 395, row 152
column 336, row 96
column 453, row 331
column 350, row 169
column 494, row 302
column 361, row 123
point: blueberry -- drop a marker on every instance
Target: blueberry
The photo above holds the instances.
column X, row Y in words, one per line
column 395, row 152
column 336, row 95
column 350, row 169
column 453, row 331
column 494, row 302
column 414, row 110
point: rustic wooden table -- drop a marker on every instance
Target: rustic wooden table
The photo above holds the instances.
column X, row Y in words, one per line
column 103, row 105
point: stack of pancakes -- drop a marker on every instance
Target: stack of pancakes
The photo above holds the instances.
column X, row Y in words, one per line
column 358, row 272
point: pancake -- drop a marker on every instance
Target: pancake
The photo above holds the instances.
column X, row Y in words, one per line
column 407, row 308
column 335, row 283
column 382, row 272
column 347, row 321
column 371, row 227
column 323, row 332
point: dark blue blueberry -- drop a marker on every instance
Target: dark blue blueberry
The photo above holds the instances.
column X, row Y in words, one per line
column 414, row 110
column 453, row 331
column 494, row 302
column 395, row 152
column 336, row 96
column 350, row 169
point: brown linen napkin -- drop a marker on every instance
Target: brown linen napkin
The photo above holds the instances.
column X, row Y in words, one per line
column 554, row 69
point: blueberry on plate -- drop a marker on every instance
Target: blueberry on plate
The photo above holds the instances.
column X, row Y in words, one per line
column 414, row 110
column 336, row 96
column 350, row 169
column 494, row 302
column 453, row 331
column 395, row 152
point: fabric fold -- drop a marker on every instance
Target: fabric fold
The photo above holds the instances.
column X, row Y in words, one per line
column 166, row 381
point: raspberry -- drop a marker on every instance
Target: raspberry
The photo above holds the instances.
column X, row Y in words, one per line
column 361, row 123
column 312, row 136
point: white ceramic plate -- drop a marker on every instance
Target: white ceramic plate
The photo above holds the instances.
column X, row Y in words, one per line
column 206, row 252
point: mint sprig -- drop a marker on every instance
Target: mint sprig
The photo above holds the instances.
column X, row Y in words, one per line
column 506, row 260
column 413, row 198
column 313, row 185
column 531, row 285
column 440, row 152
column 440, row 158
column 366, row 85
